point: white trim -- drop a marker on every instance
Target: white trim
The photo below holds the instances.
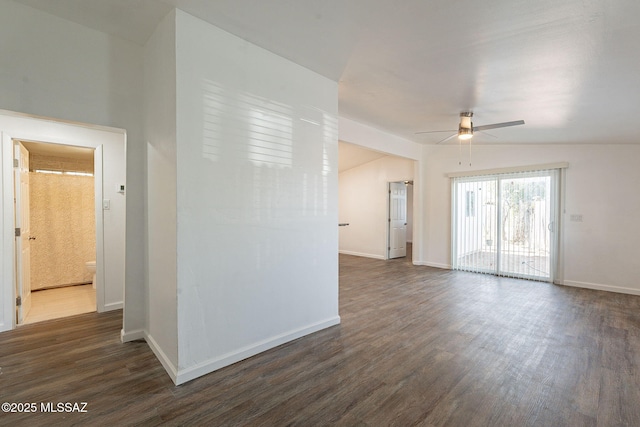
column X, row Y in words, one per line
column 113, row 306
column 601, row 287
column 162, row 357
column 138, row 334
column 387, row 245
column 362, row 254
column 18, row 115
column 560, row 230
column 98, row 195
column 203, row 368
column 514, row 169
column 7, row 287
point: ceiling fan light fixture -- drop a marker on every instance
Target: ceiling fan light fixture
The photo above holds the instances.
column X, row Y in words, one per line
column 465, row 133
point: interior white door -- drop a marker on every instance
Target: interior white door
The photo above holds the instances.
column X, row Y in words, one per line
column 23, row 233
column 397, row 220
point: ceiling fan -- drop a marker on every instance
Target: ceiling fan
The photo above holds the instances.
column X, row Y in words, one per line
column 466, row 127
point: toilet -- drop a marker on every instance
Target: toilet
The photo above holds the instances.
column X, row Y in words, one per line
column 91, row 268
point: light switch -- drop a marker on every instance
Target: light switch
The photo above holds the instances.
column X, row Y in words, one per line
column 575, row 217
column 106, row 204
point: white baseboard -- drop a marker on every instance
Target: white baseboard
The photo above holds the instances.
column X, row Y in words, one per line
column 203, row 368
column 137, row 334
column 362, row 254
column 162, row 357
column 155, row 348
column 113, row 306
column 600, row 287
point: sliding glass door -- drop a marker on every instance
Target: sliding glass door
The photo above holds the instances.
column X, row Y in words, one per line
column 505, row 224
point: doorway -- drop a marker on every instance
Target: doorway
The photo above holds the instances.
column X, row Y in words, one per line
column 56, row 213
column 110, row 161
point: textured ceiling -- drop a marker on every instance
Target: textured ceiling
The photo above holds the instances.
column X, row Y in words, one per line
column 568, row 68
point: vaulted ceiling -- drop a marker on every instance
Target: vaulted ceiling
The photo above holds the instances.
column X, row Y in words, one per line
column 569, row 68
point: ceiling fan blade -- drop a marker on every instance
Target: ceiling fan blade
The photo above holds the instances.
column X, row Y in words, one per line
column 447, row 138
column 498, row 125
column 436, row 131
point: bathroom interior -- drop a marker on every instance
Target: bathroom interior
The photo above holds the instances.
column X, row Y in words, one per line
column 62, row 235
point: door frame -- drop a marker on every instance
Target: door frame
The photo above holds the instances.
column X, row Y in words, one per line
column 99, row 221
column 18, row 126
column 7, row 263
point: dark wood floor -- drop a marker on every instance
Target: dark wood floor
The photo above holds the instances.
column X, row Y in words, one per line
column 417, row 346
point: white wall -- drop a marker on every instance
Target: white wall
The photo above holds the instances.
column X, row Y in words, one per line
column 364, row 204
column 601, row 252
column 160, row 131
column 55, row 68
column 257, row 199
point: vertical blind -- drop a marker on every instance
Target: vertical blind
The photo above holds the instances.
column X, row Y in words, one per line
column 505, row 224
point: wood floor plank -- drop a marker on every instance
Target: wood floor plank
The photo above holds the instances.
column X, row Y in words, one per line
column 416, row 346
